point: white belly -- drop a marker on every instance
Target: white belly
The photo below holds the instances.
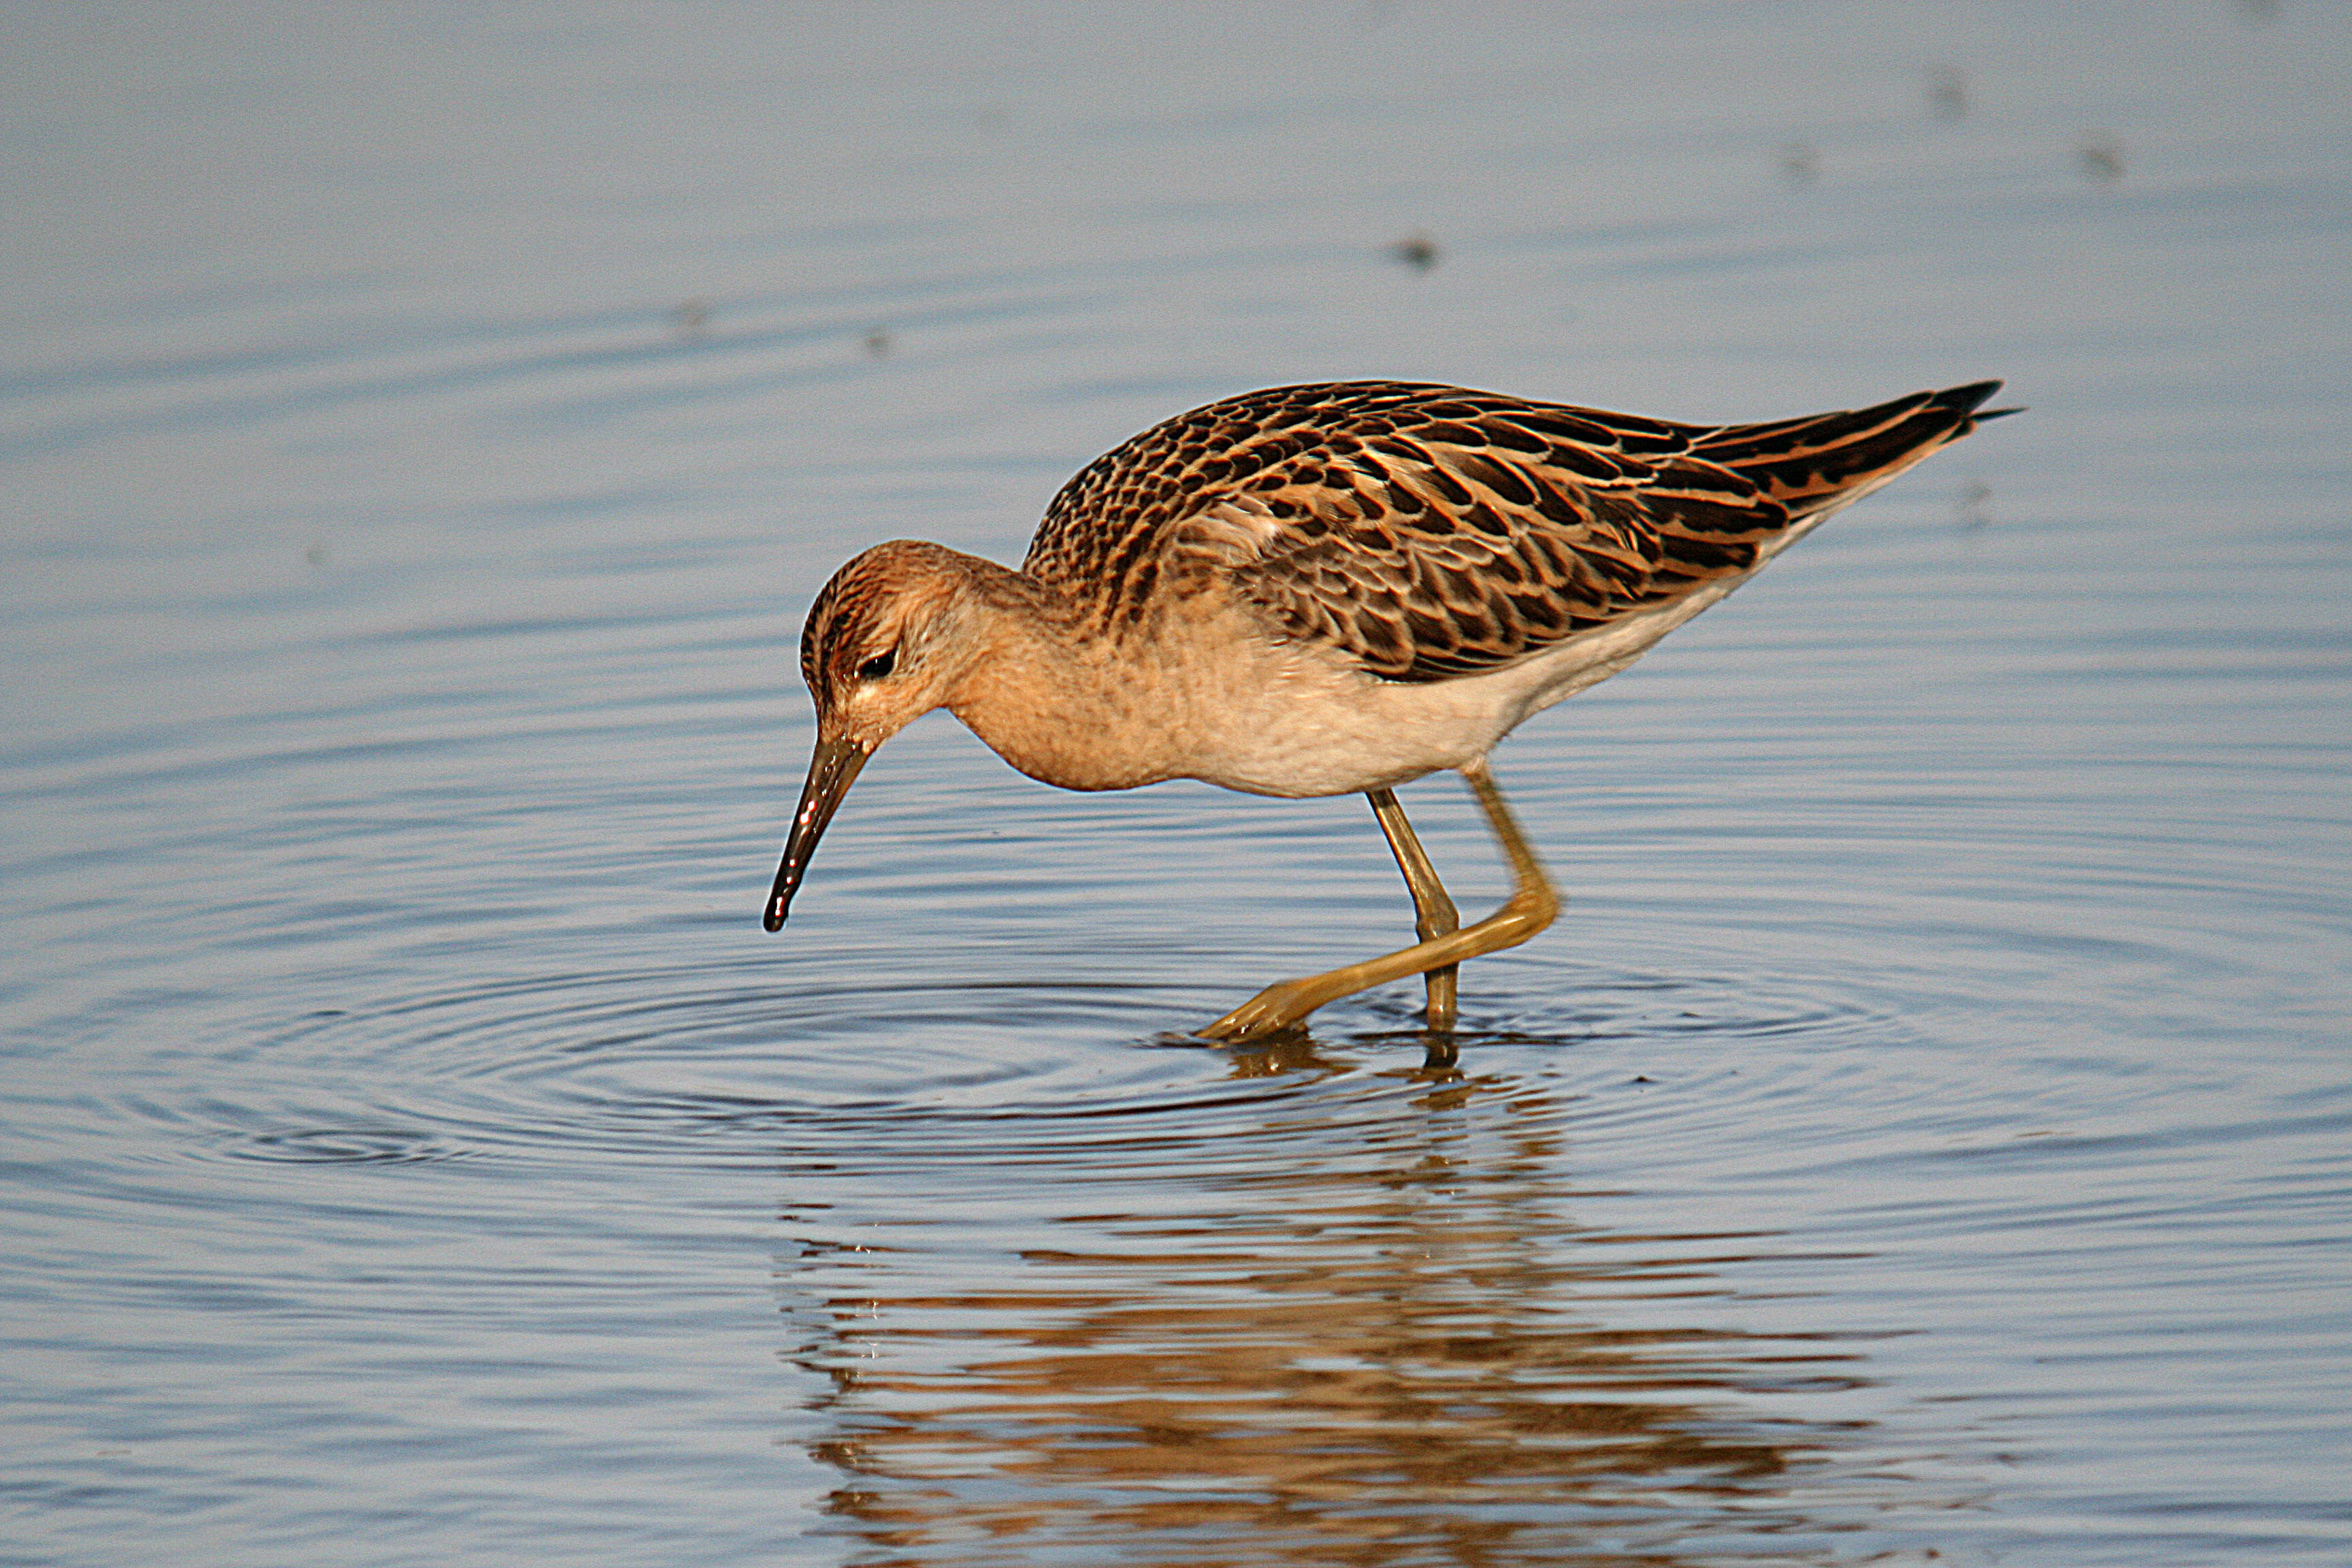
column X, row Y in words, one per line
column 1296, row 722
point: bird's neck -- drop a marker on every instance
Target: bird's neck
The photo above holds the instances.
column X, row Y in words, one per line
column 1053, row 696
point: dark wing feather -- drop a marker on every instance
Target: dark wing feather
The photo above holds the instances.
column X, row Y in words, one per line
column 1807, row 464
column 1431, row 531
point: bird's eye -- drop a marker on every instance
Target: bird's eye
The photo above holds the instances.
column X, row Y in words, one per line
column 880, row 665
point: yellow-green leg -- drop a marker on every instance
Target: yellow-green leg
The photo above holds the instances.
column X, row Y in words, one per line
column 1433, row 909
column 1531, row 907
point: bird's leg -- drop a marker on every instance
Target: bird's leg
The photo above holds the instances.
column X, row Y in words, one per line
column 1433, row 913
column 1531, row 907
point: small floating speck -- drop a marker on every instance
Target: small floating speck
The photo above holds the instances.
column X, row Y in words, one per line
column 1974, row 506
column 1417, row 250
column 1800, row 163
column 691, row 318
column 878, row 344
column 2101, row 159
column 1948, row 92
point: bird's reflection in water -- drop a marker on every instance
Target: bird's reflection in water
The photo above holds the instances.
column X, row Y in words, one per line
column 1338, row 1334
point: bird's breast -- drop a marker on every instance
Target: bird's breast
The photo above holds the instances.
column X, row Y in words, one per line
column 1217, row 699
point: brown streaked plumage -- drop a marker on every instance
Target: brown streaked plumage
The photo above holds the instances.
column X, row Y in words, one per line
column 1325, row 589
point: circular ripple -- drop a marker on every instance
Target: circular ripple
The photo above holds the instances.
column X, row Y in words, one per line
column 693, row 1066
column 743, row 1067
column 341, row 1146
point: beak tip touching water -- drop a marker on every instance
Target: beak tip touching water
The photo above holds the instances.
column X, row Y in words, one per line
column 832, row 771
column 780, row 897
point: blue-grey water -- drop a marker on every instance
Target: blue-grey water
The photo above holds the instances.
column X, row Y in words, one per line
column 1923, row 1138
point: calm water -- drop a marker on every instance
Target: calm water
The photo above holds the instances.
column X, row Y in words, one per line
column 1923, row 1138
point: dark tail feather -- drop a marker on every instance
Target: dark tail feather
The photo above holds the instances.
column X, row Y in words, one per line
column 1828, row 457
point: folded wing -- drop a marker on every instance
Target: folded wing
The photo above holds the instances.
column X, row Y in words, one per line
column 1430, row 533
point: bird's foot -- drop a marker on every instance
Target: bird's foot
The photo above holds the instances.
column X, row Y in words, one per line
column 1282, row 1005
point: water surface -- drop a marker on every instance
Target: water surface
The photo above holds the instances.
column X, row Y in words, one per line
column 1921, row 1140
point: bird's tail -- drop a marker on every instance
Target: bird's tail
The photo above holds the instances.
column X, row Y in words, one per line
column 1825, row 460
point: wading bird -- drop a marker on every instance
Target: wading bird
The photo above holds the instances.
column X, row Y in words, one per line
column 1329, row 590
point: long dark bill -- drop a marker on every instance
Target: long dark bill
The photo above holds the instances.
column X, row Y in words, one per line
column 830, row 772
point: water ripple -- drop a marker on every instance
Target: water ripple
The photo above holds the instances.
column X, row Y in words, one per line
column 715, row 1068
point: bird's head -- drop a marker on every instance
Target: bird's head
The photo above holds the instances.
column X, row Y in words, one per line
column 886, row 642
